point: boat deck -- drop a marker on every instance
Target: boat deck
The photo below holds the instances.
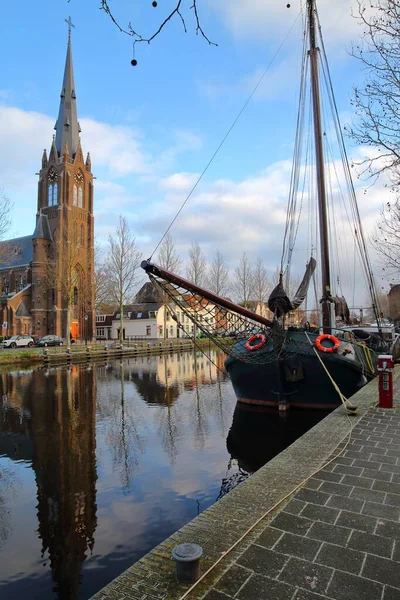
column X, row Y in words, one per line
column 324, row 530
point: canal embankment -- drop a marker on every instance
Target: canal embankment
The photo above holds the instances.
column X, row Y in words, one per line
column 320, row 520
column 86, row 353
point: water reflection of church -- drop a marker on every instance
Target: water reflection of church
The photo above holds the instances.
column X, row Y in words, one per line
column 52, row 423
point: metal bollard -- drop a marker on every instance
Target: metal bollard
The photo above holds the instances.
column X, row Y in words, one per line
column 187, row 557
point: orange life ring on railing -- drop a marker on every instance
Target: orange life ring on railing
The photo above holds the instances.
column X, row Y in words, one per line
column 328, row 349
column 258, row 336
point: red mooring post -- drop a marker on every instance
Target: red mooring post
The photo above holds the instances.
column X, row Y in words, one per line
column 385, row 368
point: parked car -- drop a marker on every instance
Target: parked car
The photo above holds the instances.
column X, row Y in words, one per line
column 18, row 341
column 50, row 340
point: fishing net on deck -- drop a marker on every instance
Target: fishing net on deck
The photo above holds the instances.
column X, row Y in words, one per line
column 197, row 317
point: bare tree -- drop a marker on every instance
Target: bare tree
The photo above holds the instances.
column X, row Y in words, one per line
column 377, row 102
column 386, row 238
column 261, row 282
column 243, row 281
column 5, row 223
column 168, row 257
column 196, row 267
column 121, row 268
column 101, row 287
column 176, row 12
column 218, row 276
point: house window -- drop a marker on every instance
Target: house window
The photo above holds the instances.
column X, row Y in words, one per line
column 100, row 332
column 100, row 318
column 148, row 330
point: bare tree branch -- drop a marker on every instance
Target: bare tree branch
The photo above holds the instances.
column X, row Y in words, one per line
column 377, row 103
column 218, row 276
column 175, row 12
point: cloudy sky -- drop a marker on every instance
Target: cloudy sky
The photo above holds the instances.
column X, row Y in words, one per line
column 151, row 129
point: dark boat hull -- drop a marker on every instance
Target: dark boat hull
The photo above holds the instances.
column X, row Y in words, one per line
column 301, row 380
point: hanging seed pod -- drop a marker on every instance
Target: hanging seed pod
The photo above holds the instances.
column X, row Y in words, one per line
column 134, row 62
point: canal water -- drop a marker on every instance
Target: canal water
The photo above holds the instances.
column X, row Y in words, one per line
column 98, row 465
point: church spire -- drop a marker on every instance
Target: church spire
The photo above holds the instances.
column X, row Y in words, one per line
column 67, row 126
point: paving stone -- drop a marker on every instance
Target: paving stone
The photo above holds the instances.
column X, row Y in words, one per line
column 320, row 513
column 347, row 470
column 356, row 521
column 345, row 503
column 294, row 507
column 291, row 523
column 375, row 474
column 373, row 544
column 306, row 595
column 307, row 575
column 312, row 484
column 259, row 587
column 396, row 553
column 366, row 464
column 389, row 460
column 390, row 468
column 391, row 593
column 231, row 582
column 385, row 486
column 340, row 558
column 382, row 570
column 388, row 529
column 357, row 455
column 262, row 561
column 395, row 478
column 269, row 537
column 339, row 489
column 329, row 533
column 362, row 482
column 393, row 453
column 389, row 443
column 342, row 460
column 345, row 586
column 215, row 595
column 300, row 546
column 312, row 496
column 368, row 495
column 382, row 510
column 373, row 449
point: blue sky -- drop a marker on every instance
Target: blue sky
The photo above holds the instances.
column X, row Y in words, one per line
column 151, row 129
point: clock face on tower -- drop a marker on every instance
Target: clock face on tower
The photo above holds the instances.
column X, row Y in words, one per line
column 78, row 178
column 53, row 176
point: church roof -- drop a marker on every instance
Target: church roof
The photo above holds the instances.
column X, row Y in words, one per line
column 67, row 126
column 42, row 230
column 16, row 253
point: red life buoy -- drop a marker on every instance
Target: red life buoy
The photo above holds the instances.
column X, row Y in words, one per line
column 258, row 336
column 328, row 349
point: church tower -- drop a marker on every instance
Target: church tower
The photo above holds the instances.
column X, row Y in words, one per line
column 63, row 242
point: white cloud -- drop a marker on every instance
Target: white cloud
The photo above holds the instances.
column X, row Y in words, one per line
column 270, row 20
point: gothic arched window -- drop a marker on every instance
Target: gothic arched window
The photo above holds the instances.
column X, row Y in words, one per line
column 75, row 195
column 78, row 194
column 52, row 189
column 80, row 197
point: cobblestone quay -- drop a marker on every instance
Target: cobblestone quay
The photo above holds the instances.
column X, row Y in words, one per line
column 337, row 536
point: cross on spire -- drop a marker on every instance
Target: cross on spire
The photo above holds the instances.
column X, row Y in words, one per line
column 70, row 25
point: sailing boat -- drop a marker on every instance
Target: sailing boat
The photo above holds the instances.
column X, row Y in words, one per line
column 269, row 362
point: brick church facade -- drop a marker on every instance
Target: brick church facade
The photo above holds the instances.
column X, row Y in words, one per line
column 47, row 279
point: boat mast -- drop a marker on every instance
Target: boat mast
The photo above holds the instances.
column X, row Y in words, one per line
column 326, row 299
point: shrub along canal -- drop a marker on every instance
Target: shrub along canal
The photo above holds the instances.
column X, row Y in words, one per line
column 100, row 464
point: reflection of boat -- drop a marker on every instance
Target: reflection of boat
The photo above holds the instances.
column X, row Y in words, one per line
column 259, row 434
column 270, row 363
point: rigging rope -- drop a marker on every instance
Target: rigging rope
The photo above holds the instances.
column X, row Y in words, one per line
column 226, row 135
